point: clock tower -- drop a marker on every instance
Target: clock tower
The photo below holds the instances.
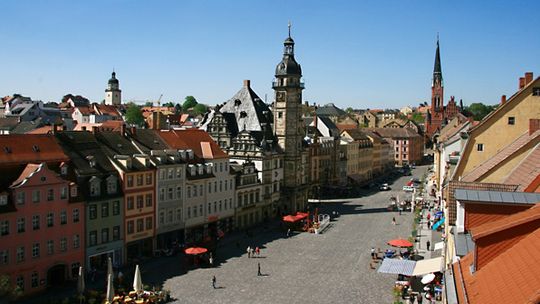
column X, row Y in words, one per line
column 113, row 94
column 290, row 129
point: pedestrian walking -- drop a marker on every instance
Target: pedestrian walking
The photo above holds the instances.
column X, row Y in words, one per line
column 419, row 298
column 211, row 261
column 428, row 245
column 428, row 224
column 393, row 221
column 257, row 251
column 259, row 269
column 399, row 209
column 249, row 251
column 214, row 282
column 373, row 254
column 288, row 232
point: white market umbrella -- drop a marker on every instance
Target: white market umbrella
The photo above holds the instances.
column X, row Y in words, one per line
column 110, row 288
column 137, row 282
column 109, row 267
column 428, row 278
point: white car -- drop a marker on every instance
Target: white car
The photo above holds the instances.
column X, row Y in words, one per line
column 384, row 187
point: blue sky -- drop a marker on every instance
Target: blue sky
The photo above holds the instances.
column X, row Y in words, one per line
column 364, row 54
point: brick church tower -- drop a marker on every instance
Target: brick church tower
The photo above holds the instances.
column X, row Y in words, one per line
column 436, row 115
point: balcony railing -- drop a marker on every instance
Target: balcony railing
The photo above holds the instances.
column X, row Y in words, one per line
column 288, row 85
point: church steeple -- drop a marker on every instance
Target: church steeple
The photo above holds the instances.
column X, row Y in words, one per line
column 113, row 93
column 437, row 71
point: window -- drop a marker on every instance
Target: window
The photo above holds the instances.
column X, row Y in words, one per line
column 201, row 209
column 140, row 225
column 21, row 198
column 162, row 217
column 63, row 193
column 50, row 247
column 220, row 186
column 20, row 225
column 116, row 208
column 35, row 279
column 170, row 174
column 149, row 200
column 140, row 201
column 50, row 195
column 35, row 250
column 149, row 223
column 116, row 233
column 76, row 241
column 169, row 216
column 201, row 189
column 104, row 209
column 171, row 193
column 148, row 178
column 75, row 215
column 130, row 181
column 4, row 257
column 140, row 179
column 92, row 212
column 230, row 203
column 194, row 211
column 35, row 222
column 20, row 282
column 480, row 147
column 179, row 192
column 104, row 235
column 92, row 238
column 35, row 196
column 20, row 254
column 130, row 227
column 536, row 91
column 63, row 217
column 63, row 244
column 111, row 185
column 4, row 227
column 209, row 187
column 179, row 215
column 189, row 192
column 74, row 191
column 162, row 194
column 95, row 189
column 130, row 203
column 178, row 172
column 220, row 206
column 188, row 212
column 209, row 208
column 511, row 120
column 162, row 174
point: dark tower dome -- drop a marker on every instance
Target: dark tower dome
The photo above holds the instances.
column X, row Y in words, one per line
column 113, row 79
column 288, row 65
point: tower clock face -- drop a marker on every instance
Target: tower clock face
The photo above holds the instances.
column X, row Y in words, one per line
column 280, row 96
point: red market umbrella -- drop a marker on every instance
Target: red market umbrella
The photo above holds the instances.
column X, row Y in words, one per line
column 290, row 218
column 400, row 243
column 195, row 250
column 301, row 215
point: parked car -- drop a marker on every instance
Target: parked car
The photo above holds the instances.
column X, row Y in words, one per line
column 384, row 187
column 408, row 188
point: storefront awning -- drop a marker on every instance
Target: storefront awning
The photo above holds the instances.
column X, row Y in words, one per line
column 428, row 266
column 437, row 224
column 397, row 266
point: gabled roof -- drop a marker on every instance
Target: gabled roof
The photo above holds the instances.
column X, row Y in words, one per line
column 27, row 148
column 104, row 109
column 192, row 139
column 501, row 156
column 395, row 132
column 330, row 110
column 356, row 134
column 249, row 110
column 28, row 171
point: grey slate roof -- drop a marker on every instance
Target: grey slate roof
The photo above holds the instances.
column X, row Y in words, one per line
column 248, row 109
column 497, row 196
column 330, row 110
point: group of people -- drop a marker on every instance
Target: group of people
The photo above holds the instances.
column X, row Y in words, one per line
column 253, row 252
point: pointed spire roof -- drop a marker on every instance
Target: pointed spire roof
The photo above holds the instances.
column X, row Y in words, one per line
column 437, row 71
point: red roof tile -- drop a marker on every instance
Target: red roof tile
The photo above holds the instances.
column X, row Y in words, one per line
column 41, row 130
column 343, row 127
column 512, row 277
column 19, row 149
column 527, row 171
column 501, row 156
column 192, row 139
column 508, row 222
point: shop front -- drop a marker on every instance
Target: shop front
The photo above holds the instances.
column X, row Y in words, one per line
column 96, row 256
column 138, row 249
column 168, row 240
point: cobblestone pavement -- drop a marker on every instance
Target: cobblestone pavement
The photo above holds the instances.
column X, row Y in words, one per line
column 333, row 267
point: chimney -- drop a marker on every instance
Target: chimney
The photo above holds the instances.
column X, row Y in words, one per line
column 247, row 83
column 534, row 125
column 528, row 78
column 521, row 82
column 123, row 130
column 503, row 99
column 94, row 130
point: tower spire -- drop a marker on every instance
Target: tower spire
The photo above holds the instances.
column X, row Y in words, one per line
column 289, row 26
column 437, row 71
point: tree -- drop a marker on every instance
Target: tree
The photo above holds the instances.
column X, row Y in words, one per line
column 349, row 110
column 189, row 102
column 199, row 108
column 168, row 104
column 177, row 109
column 134, row 115
column 148, row 104
column 479, row 110
column 417, row 117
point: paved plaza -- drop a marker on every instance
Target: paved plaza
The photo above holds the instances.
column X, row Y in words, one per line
column 333, row 267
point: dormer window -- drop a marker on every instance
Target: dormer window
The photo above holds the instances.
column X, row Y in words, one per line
column 3, row 199
column 111, row 185
column 74, row 191
column 95, row 188
column 63, row 170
